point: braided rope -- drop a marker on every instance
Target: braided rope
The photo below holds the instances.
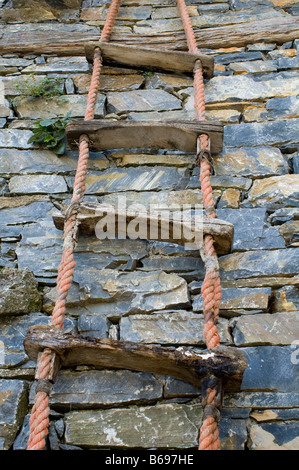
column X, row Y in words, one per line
column 39, row 419
column 211, row 288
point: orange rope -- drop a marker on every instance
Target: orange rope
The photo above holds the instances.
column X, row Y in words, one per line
column 211, row 291
column 211, row 288
column 39, row 419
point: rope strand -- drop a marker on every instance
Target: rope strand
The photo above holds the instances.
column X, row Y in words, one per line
column 39, row 419
column 211, row 291
column 211, row 288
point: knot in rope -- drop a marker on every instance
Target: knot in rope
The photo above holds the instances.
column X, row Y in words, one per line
column 71, row 210
column 39, row 419
column 204, row 154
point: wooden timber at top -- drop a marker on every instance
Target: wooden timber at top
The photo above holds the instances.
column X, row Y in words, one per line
column 177, row 135
column 136, row 57
column 15, row 40
column 173, row 227
column 226, row 363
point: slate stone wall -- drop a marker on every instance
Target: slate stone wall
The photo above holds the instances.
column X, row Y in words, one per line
column 150, row 291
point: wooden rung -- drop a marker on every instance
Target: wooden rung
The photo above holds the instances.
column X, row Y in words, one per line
column 153, row 225
column 225, row 363
column 176, row 62
column 176, row 135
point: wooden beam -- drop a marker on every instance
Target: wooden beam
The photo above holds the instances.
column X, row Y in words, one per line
column 182, row 363
column 171, row 227
column 176, row 62
column 15, row 40
column 274, row 30
column 177, row 135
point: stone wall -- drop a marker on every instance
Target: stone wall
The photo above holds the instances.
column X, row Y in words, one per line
column 150, row 291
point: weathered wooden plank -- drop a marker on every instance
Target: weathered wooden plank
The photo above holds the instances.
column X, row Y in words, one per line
column 163, row 226
column 185, row 364
column 275, row 30
column 136, row 57
column 69, row 43
column 177, row 135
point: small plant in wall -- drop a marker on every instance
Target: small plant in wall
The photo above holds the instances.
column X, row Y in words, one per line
column 41, row 87
column 50, row 133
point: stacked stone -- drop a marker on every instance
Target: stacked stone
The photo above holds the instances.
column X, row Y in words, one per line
column 149, row 291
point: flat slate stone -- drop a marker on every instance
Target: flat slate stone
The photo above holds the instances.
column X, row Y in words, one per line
column 20, row 443
column 136, row 179
column 275, row 414
column 27, row 11
column 15, row 61
column 251, row 161
column 162, row 426
column 20, row 210
column 108, row 82
column 249, row 87
column 221, row 181
column 5, row 110
column 13, row 407
column 142, row 100
column 15, row 138
column 169, row 327
column 237, row 57
column 40, row 248
column 251, row 230
column 269, row 328
column 3, row 187
column 18, row 292
column 283, row 107
column 254, row 66
column 131, row 12
column 238, row 299
column 93, row 325
column 13, row 161
column 39, row 108
column 232, row 433
column 274, row 436
column 208, row 20
column 286, row 63
column 102, row 388
column 271, row 368
column 38, row 184
column 275, row 192
column 282, row 133
column 175, row 264
column 114, row 293
column 260, row 263
column 7, row 254
column 59, row 65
